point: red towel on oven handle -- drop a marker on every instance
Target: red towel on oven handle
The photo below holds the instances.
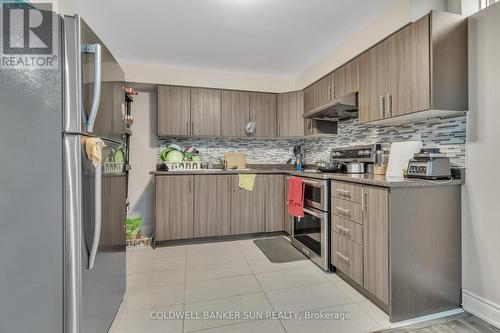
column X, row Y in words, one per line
column 295, row 197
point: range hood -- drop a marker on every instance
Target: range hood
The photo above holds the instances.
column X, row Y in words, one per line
column 339, row 108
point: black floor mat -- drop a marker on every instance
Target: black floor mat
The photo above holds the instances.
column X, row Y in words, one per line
column 279, row 250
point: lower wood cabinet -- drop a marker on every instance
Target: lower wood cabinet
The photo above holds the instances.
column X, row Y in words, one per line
column 212, row 204
column 247, row 207
column 275, row 202
column 347, row 256
column 174, row 203
column 376, row 242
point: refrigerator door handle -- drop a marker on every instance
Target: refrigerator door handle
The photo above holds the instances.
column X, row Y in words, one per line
column 96, row 50
column 98, row 217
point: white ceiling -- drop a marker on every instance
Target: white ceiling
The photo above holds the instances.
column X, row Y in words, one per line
column 273, row 37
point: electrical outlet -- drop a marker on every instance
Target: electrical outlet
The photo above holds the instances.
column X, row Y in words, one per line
column 290, row 150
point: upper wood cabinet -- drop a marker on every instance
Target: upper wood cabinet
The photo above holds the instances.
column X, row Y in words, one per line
column 308, row 106
column 345, row 79
column 263, row 113
column 290, row 110
column 174, row 207
column 212, row 204
column 422, row 67
column 323, row 91
column 174, row 108
column 206, row 105
column 372, row 83
column 235, row 112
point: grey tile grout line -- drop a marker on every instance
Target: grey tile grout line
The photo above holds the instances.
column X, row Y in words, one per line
column 255, row 276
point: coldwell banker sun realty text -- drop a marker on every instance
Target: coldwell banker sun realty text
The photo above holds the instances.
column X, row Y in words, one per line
column 30, row 35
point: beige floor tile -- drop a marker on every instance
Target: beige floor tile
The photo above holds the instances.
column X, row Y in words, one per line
column 159, row 252
column 311, row 297
column 201, row 273
column 218, row 248
column 236, row 304
column 153, row 297
column 219, row 288
column 155, row 279
column 358, row 322
column 251, row 251
column 141, row 322
column 140, row 265
column 265, row 265
column 376, row 313
column 349, row 291
column 207, row 259
column 257, row 326
column 290, row 278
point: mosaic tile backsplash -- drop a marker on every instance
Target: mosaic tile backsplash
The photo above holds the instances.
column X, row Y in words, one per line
column 447, row 133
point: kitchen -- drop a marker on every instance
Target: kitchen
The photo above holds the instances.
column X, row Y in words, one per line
column 333, row 189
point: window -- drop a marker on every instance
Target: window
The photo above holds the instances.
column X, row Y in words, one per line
column 485, row 3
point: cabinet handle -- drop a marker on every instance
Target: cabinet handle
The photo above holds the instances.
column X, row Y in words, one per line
column 364, row 199
column 329, row 93
column 344, row 212
column 192, row 127
column 382, row 107
column 389, row 105
column 187, row 127
column 344, row 229
column 342, row 256
column 334, row 92
column 344, row 193
column 190, row 186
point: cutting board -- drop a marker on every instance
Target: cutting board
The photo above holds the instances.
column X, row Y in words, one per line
column 235, row 159
column 401, row 153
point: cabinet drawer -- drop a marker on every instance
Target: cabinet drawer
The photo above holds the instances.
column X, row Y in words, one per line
column 347, row 228
column 347, row 256
column 347, row 191
column 347, row 209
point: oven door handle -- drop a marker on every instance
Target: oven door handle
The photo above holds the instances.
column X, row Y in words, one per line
column 310, row 212
column 314, row 183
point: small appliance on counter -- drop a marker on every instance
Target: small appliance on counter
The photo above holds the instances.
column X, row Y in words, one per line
column 352, row 160
column 429, row 163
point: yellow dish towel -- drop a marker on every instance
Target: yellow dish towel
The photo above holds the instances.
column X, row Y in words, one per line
column 246, row 181
column 93, row 148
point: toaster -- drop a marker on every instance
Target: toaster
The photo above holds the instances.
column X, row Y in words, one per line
column 429, row 163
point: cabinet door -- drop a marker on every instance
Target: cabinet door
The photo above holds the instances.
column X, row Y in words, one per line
column 174, row 207
column 275, row 202
column 345, row 79
column 323, row 91
column 235, row 112
column 212, row 204
column 376, row 242
column 420, row 64
column 308, row 106
column 263, row 112
column 398, row 99
column 114, row 211
column 372, row 83
column 174, row 111
column 206, row 111
column 247, row 207
column 290, row 110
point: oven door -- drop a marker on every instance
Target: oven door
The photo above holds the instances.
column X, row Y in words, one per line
column 311, row 235
column 316, row 193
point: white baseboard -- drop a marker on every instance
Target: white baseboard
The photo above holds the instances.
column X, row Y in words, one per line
column 422, row 319
column 481, row 308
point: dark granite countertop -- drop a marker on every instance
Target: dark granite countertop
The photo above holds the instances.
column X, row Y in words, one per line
column 375, row 180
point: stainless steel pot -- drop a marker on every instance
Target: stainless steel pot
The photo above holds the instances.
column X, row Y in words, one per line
column 355, row 167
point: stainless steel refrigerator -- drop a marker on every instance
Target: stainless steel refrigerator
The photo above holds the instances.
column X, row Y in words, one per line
column 62, row 237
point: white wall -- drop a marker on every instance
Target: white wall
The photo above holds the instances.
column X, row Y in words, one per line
column 480, row 214
column 143, row 155
column 391, row 18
